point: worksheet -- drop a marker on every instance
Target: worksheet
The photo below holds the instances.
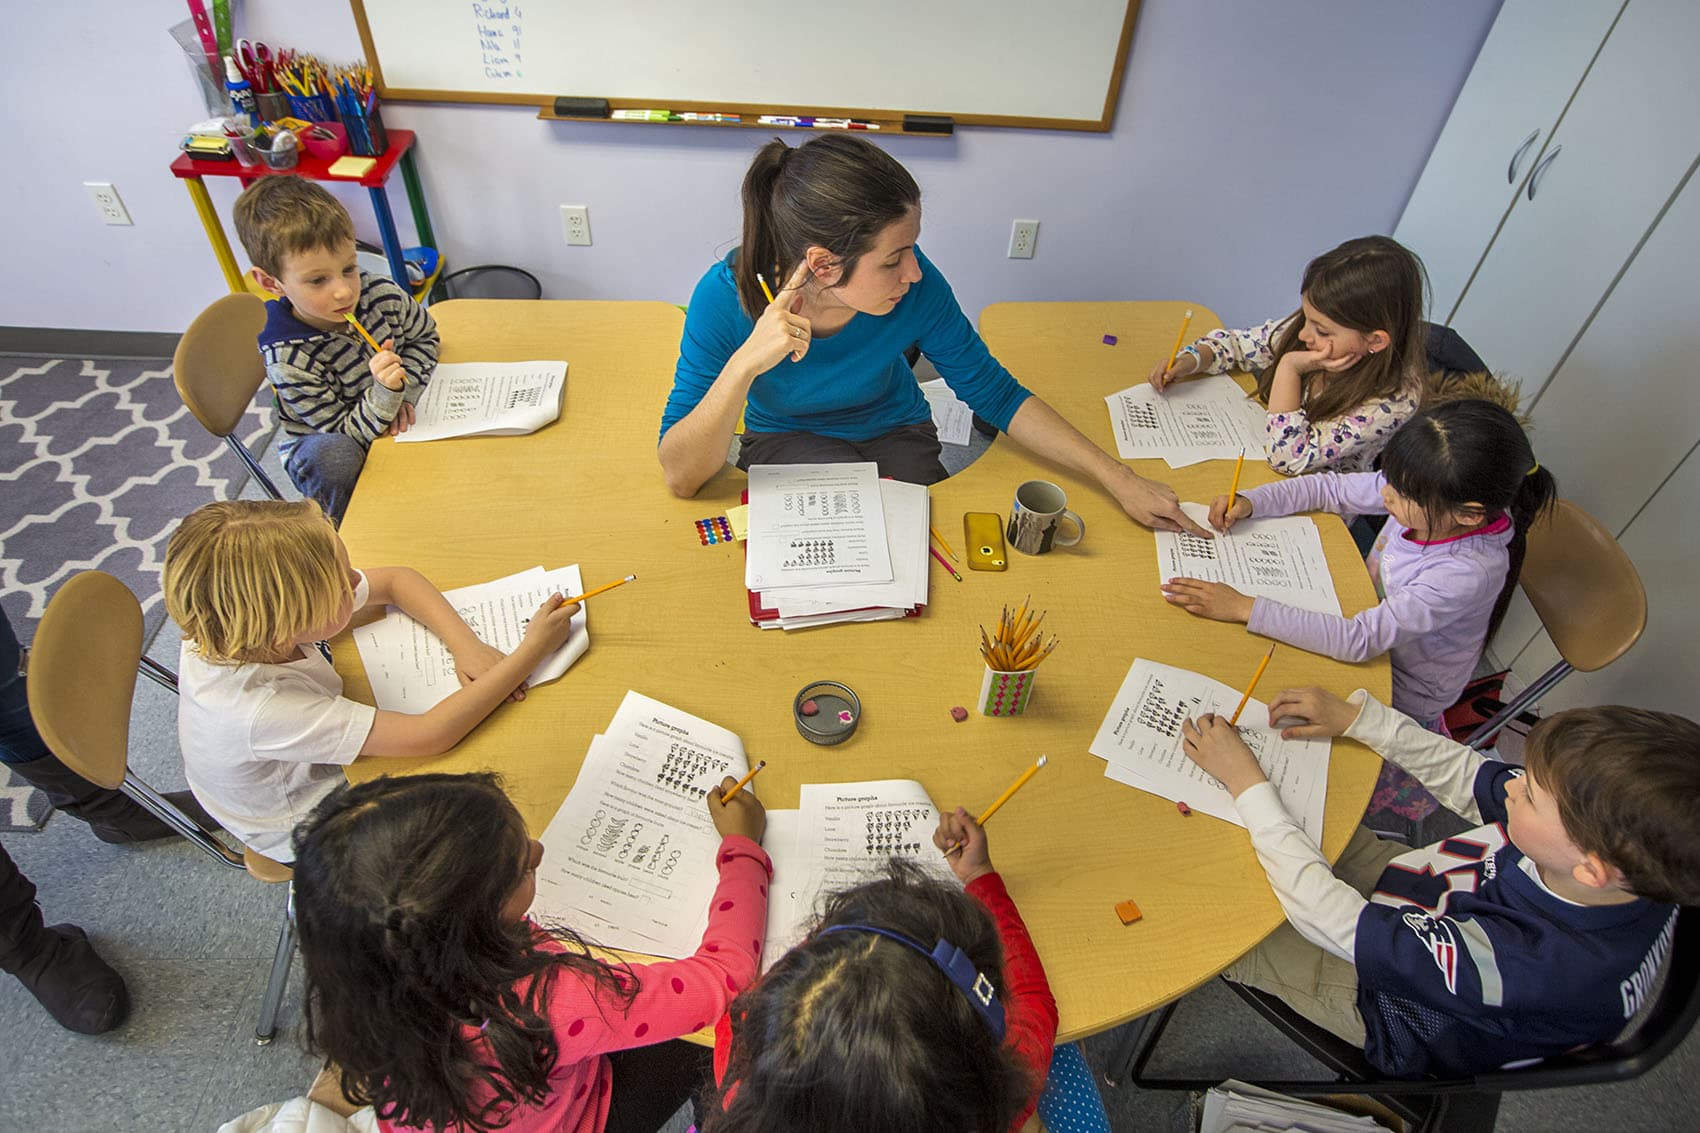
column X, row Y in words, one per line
column 487, row 398
column 1140, row 740
column 1279, row 558
column 815, row 524
column 952, row 417
column 410, row 668
column 629, row 858
column 841, row 835
column 1195, row 420
column 906, row 509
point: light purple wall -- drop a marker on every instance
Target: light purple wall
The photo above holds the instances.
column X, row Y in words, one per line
column 1250, row 136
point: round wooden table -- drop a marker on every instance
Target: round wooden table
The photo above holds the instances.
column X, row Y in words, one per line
column 588, row 490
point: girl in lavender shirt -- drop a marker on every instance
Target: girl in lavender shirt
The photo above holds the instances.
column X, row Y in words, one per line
column 1460, row 486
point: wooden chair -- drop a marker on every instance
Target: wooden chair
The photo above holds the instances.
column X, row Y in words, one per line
column 1589, row 598
column 1465, row 1104
column 83, row 665
column 218, row 369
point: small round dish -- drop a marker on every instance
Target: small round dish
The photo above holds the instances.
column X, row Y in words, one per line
column 836, row 712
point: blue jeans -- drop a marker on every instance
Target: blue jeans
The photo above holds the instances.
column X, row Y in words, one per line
column 324, row 467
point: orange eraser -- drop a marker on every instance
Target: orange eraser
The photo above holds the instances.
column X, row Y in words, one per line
column 1128, row 911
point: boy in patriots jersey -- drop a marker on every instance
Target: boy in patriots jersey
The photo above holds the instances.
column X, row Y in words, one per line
column 1537, row 933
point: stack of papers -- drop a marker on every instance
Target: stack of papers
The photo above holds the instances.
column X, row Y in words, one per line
column 410, row 668
column 1277, row 558
column 951, row 415
column 833, row 543
column 1236, row 1107
column 1140, row 741
column 505, row 399
column 1195, row 420
column 629, row 857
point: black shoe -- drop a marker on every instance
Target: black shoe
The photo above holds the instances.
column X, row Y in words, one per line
column 79, row 989
column 136, row 824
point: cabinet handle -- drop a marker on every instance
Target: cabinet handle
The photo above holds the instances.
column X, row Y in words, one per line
column 1517, row 158
column 1535, row 175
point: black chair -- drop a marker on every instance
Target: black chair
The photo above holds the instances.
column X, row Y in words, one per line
column 488, row 281
column 1456, row 1105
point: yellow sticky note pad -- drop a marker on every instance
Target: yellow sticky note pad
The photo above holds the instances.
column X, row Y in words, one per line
column 349, row 166
column 739, row 518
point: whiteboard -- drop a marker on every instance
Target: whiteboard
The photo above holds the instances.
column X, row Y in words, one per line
column 1007, row 62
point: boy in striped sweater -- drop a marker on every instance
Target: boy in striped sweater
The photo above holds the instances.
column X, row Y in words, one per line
column 335, row 396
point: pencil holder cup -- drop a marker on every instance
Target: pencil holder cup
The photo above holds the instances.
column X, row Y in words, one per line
column 366, row 134
column 281, row 152
column 311, row 107
column 272, row 105
column 1005, row 693
column 242, row 146
column 326, row 141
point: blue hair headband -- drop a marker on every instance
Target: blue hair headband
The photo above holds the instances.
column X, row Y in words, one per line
column 955, row 965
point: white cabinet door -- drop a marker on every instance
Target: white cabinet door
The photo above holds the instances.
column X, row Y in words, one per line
column 1528, row 68
column 1624, row 409
column 1630, row 134
column 1662, row 671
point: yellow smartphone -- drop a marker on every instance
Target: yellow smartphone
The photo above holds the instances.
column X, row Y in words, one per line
column 984, row 532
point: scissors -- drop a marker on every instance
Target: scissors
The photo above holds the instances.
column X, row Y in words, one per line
column 254, row 60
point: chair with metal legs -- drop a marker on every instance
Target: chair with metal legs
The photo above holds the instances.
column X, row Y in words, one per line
column 1588, row 595
column 218, row 369
column 1462, row 1104
column 84, row 661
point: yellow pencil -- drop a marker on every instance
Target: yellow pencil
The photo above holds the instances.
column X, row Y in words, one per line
column 1234, row 488
column 942, row 543
column 604, row 589
column 355, row 323
column 765, row 289
column 1255, row 677
column 1180, row 337
column 1020, row 782
column 742, row 783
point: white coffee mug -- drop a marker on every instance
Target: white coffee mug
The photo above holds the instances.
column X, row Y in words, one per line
column 1034, row 518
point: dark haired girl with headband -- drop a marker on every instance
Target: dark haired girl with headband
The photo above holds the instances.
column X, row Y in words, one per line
column 803, row 329
column 911, row 1005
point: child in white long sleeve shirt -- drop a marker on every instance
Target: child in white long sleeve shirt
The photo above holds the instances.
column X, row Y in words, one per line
column 1536, row 933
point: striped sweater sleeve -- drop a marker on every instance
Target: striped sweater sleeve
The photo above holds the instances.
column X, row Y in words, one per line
column 311, row 397
column 390, row 313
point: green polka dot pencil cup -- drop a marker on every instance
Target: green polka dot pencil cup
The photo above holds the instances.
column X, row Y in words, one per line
column 1005, row 693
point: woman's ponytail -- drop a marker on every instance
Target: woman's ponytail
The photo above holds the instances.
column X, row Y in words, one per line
column 759, row 251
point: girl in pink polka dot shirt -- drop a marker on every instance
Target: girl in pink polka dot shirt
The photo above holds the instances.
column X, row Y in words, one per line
column 446, row 1007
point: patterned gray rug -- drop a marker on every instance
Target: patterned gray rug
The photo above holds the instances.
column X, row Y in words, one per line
column 99, row 459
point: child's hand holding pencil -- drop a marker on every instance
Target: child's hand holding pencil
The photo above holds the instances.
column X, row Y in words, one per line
column 963, row 841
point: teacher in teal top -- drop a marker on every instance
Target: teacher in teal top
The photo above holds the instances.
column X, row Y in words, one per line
column 818, row 368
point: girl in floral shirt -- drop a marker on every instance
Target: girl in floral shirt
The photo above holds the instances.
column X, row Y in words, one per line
column 1341, row 374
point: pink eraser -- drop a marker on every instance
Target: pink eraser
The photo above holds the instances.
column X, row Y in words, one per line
column 1184, row 809
column 810, row 708
column 959, row 713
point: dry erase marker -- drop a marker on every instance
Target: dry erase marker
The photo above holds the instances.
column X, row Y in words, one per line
column 643, row 116
column 689, row 116
column 784, row 120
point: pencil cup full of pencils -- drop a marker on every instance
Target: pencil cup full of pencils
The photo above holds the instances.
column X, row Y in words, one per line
column 1005, row 693
column 1012, row 654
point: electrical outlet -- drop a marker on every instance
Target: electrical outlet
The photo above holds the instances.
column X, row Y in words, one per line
column 575, row 223
column 112, row 210
column 1023, row 235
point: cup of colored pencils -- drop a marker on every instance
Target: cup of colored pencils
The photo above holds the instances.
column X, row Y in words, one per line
column 1012, row 653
